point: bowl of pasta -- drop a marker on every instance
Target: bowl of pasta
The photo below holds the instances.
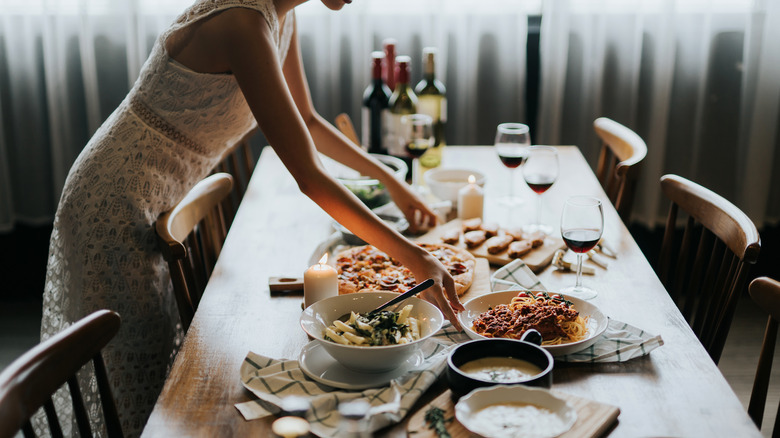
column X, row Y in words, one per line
column 567, row 324
column 366, row 341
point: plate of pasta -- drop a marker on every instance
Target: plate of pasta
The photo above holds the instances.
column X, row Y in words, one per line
column 567, row 324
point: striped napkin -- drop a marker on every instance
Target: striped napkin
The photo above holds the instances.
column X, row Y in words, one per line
column 271, row 380
column 619, row 343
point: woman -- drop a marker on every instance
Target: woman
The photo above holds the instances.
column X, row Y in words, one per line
column 223, row 66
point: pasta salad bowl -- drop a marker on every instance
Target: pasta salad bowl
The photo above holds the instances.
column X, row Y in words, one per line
column 377, row 349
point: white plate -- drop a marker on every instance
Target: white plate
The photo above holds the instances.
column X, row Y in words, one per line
column 469, row 405
column 321, row 367
column 597, row 322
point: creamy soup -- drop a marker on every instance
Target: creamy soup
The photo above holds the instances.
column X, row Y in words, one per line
column 500, row 369
column 515, row 420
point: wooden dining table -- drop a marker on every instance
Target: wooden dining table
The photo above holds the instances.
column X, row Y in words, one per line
column 675, row 390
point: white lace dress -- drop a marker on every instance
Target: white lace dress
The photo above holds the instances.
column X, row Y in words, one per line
column 168, row 134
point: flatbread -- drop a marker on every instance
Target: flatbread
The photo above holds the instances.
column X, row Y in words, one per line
column 366, row 268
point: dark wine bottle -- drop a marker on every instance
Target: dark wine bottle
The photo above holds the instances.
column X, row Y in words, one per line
column 376, row 98
column 389, row 70
column 432, row 100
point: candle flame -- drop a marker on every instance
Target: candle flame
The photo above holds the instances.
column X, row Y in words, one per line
column 324, row 259
column 472, row 179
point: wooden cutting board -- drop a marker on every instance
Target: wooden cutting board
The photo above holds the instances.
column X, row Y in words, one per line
column 594, row 419
column 538, row 259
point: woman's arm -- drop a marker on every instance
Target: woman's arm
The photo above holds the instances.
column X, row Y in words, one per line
column 331, row 142
column 250, row 52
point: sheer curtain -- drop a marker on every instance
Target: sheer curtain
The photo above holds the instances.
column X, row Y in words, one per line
column 66, row 64
column 698, row 80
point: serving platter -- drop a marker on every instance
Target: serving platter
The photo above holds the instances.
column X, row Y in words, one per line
column 597, row 321
column 321, row 367
column 537, row 259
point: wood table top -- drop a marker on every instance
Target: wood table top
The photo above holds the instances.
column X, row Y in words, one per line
column 676, row 390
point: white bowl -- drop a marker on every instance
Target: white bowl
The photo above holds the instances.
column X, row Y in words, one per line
column 468, row 407
column 377, row 359
column 445, row 183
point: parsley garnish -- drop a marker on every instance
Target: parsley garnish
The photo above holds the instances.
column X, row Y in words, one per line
column 435, row 418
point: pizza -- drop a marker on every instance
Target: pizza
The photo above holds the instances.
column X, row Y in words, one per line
column 366, row 268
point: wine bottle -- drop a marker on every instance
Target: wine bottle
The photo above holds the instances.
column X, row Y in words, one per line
column 376, row 98
column 389, row 70
column 432, row 100
column 403, row 101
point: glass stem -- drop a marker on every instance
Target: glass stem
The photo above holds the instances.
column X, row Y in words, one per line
column 416, row 173
column 512, row 184
column 539, row 210
column 579, row 271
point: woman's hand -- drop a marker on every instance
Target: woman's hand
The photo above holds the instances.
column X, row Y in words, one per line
column 442, row 294
column 420, row 217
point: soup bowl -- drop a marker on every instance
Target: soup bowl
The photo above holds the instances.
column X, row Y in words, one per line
column 368, row 359
column 527, row 349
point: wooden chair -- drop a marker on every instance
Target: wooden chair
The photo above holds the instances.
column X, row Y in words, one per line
column 240, row 163
column 31, row 380
column 190, row 237
column 766, row 293
column 622, row 152
column 706, row 269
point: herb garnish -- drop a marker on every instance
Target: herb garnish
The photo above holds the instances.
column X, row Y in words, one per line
column 435, row 418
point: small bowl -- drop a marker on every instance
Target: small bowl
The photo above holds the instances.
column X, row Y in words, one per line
column 469, row 407
column 445, row 183
column 378, row 359
column 369, row 190
column 527, row 349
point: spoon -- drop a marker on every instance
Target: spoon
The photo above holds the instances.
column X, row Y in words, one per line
column 419, row 287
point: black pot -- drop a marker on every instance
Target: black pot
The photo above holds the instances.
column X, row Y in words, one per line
column 527, row 349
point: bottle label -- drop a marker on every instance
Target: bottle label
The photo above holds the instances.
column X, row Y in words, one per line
column 443, row 115
column 429, row 106
column 393, row 137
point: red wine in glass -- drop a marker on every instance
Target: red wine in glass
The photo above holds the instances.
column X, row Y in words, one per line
column 540, row 183
column 417, row 148
column 512, row 161
column 581, row 240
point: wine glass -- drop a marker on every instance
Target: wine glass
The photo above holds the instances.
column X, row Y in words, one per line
column 417, row 137
column 582, row 224
column 512, row 142
column 540, row 172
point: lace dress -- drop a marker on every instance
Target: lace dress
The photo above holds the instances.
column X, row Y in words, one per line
column 168, row 134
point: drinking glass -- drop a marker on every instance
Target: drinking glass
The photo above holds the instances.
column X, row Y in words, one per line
column 540, row 172
column 417, row 137
column 512, row 142
column 582, row 224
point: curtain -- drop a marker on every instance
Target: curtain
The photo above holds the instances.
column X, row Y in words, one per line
column 698, row 80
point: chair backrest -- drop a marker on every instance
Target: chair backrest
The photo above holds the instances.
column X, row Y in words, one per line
column 29, row 382
column 344, row 124
column 239, row 161
column 706, row 269
column 190, row 237
column 620, row 159
column 766, row 293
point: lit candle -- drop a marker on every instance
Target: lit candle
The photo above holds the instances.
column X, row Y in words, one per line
column 319, row 281
column 470, row 200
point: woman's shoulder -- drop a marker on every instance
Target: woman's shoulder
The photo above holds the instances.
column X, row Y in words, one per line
column 204, row 8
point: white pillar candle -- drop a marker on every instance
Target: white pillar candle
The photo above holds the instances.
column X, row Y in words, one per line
column 471, row 200
column 319, row 281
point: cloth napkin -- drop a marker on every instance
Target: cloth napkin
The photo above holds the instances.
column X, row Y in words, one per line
column 619, row 342
column 271, row 380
